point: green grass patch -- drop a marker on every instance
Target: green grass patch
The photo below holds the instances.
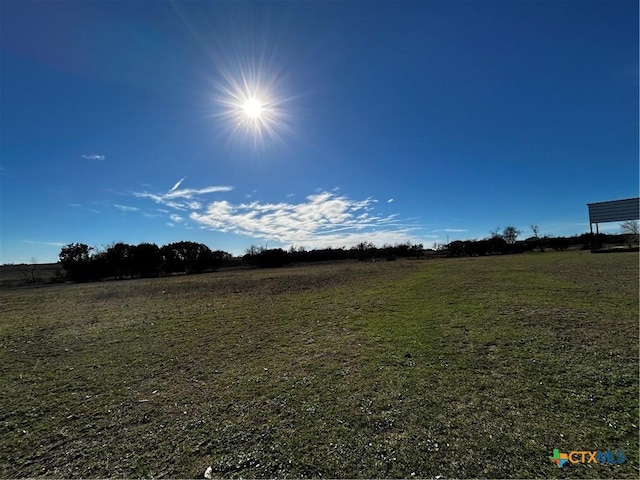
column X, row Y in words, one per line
column 459, row 368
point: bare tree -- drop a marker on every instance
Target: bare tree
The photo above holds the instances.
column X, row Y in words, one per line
column 535, row 230
column 510, row 234
column 29, row 270
column 631, row 228
column 536, row 235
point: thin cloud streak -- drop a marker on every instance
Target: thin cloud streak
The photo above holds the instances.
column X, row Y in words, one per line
column 126, row 208
column 94, row 157
column 177, row 184
column 50, row 244
column 192, row 192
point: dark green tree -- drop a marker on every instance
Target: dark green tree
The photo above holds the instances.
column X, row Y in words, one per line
column 145, row 260
column 218, row 258
column 417, row 250
column 275, row 257
column 119, row 260
column 364, row 251
column 75, row 259
column 188, row 257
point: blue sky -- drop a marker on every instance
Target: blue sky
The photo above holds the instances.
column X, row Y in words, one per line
column 378, row 121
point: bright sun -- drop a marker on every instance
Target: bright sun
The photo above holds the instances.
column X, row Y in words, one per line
column 252, row 105
column 252, row 108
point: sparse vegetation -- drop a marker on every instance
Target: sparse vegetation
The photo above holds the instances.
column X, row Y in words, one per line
column 459, row 367
column 32, row 274
column 631, row 228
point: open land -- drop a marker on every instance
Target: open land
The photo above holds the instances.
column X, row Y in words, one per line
column 475, row 367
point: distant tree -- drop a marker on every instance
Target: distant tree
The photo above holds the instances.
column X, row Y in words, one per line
column 402, row 250
column 188, row 257
column 75, row 259
column 438, row 247
column 98, row 266
column 253, row 250
column 417, row 250
column 251, row 253
column 364, row 251
column 496, row 245
column 537, row 241
column 28, row 270
column 269, row 258
column 119, row 259
column 535, row 230
column 218, row 258
column 146, row 260
column 510, row 234
column 558, row 243
column 74, row 253
column 198, row 257
column 632, row 229
column 171, row 263
column 486, row 246
column 457, row 248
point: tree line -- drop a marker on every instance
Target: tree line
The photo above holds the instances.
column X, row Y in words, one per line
column 506, row 242
column 364, row 251
column 83, row 263
column 121, row 260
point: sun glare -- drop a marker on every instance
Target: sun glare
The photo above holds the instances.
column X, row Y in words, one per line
column 252, row 108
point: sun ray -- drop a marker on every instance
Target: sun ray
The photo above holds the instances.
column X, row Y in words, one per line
column 251, row 105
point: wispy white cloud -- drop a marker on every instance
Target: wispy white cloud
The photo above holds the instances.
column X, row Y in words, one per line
column 452, row 230
column 391, row 200
column 176, row 197
column 93, row 156
column 323, row 219
column 126, row 208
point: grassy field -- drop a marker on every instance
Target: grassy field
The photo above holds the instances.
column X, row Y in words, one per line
column 455, row 367
column 27, row 274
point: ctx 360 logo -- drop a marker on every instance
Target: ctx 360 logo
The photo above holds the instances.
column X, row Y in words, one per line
column 611, row 457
